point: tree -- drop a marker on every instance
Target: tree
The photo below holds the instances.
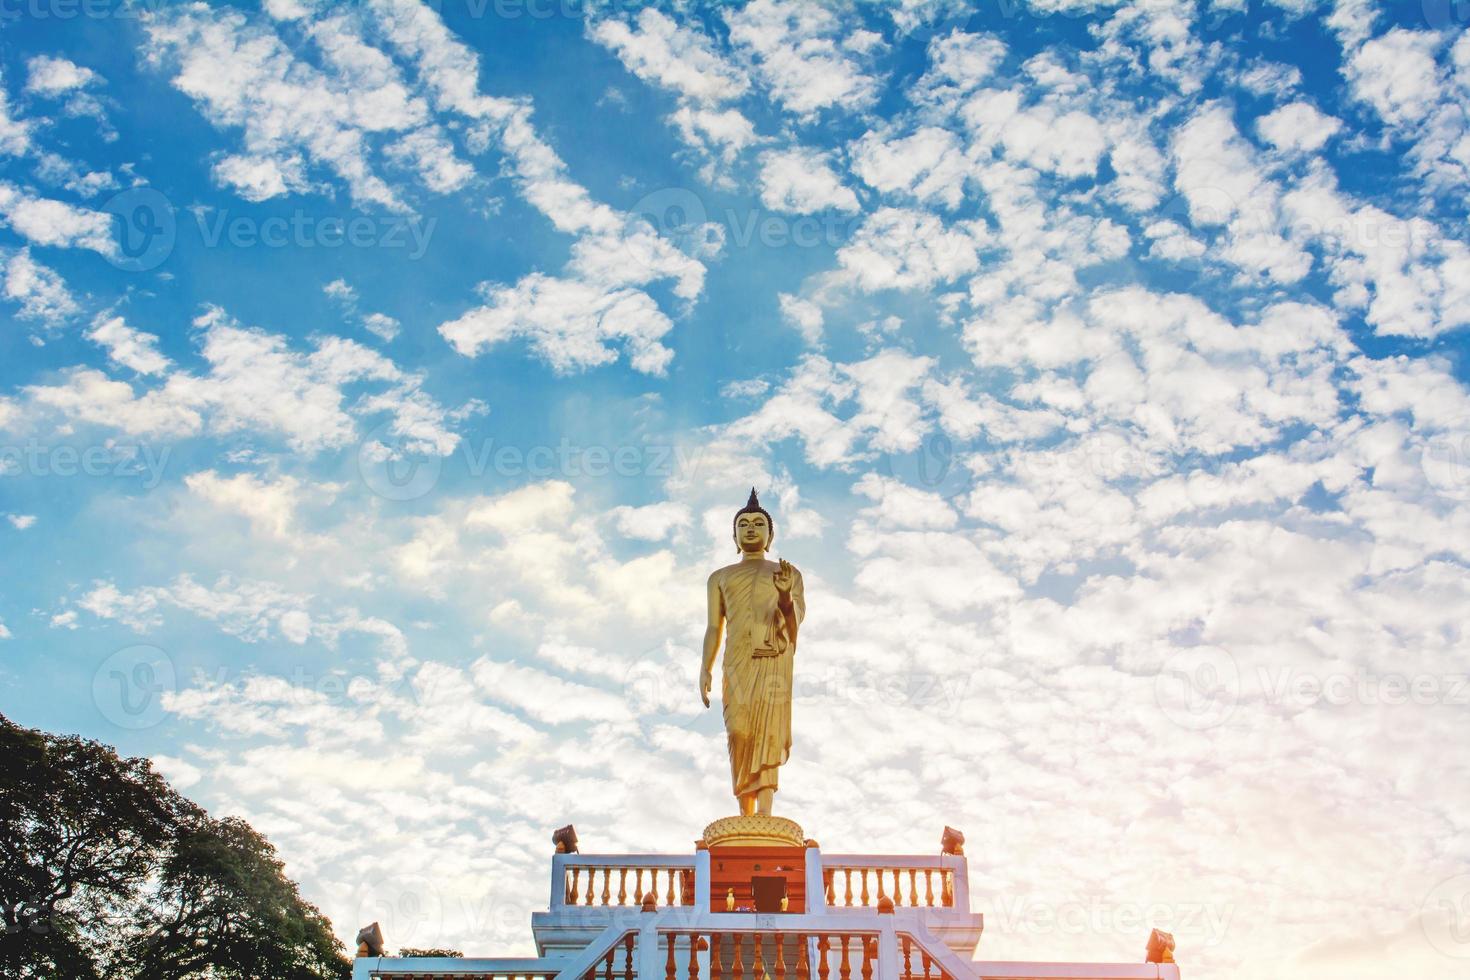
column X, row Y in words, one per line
column 108, row 872
column 80, row 832
column 225, row 909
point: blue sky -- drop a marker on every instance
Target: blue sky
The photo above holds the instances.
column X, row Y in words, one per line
column 377, row 382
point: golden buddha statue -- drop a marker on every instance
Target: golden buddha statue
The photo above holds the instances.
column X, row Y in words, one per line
column 762, row 603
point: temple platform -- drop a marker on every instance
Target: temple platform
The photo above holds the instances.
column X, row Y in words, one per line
column 761, row 910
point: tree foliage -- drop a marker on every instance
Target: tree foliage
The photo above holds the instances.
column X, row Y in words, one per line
column 109, row 873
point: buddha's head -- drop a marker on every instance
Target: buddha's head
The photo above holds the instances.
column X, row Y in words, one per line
column 753, row 528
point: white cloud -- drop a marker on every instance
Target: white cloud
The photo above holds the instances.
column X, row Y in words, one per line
column 676, row 58
column 1068, row 144
column 898, row 505
column 796, row 53
column 131, row 348
column 749, row 388
column 21, row 522
column 1172, row 242
column 929, row 164
column 721, row 132
column 56, row 78
column 252, row 611
column 255, row 383
column 344, row 295
column 804, row 315
column 1223, row 182
column 959, row 62
column 682, row 60
column 1297, row 127
column 842, row 413
column 88, row 395
column 269, row 505
column 382, row 325
column 801, row 181
column 614, row 251
column 48, row 222
column 51, row 77
column 1404, row 273
column 545, row 697
column 568, row 322
column 41, row 293
column 899, row 248
column 52, row 168
column 1396, row 74
column 15, row 134
column 652, row 522
column 180, row 774
column 1263, row 77
column 293, row 114
column 342, row 292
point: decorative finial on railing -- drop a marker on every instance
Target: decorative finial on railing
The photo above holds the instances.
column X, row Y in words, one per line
column 370, row 941
column 1160, row 947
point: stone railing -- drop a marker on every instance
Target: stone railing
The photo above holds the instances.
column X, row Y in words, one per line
column 917, row 963
column 420, row 967
column 924, row 881
column 690, row 944
column 597, row 881
column 616, row 963
column 799, row 953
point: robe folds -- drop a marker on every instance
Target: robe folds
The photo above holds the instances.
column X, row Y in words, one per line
column 756, row 685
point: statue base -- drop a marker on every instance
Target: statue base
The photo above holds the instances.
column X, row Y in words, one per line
column 754, row 831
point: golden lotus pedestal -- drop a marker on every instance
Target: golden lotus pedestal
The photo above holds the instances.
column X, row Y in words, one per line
column 754, row 831
column 757, row 864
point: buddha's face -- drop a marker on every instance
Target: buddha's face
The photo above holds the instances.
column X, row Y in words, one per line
column 753, row 533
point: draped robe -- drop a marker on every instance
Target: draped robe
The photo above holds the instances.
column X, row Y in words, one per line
column 757, row 670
